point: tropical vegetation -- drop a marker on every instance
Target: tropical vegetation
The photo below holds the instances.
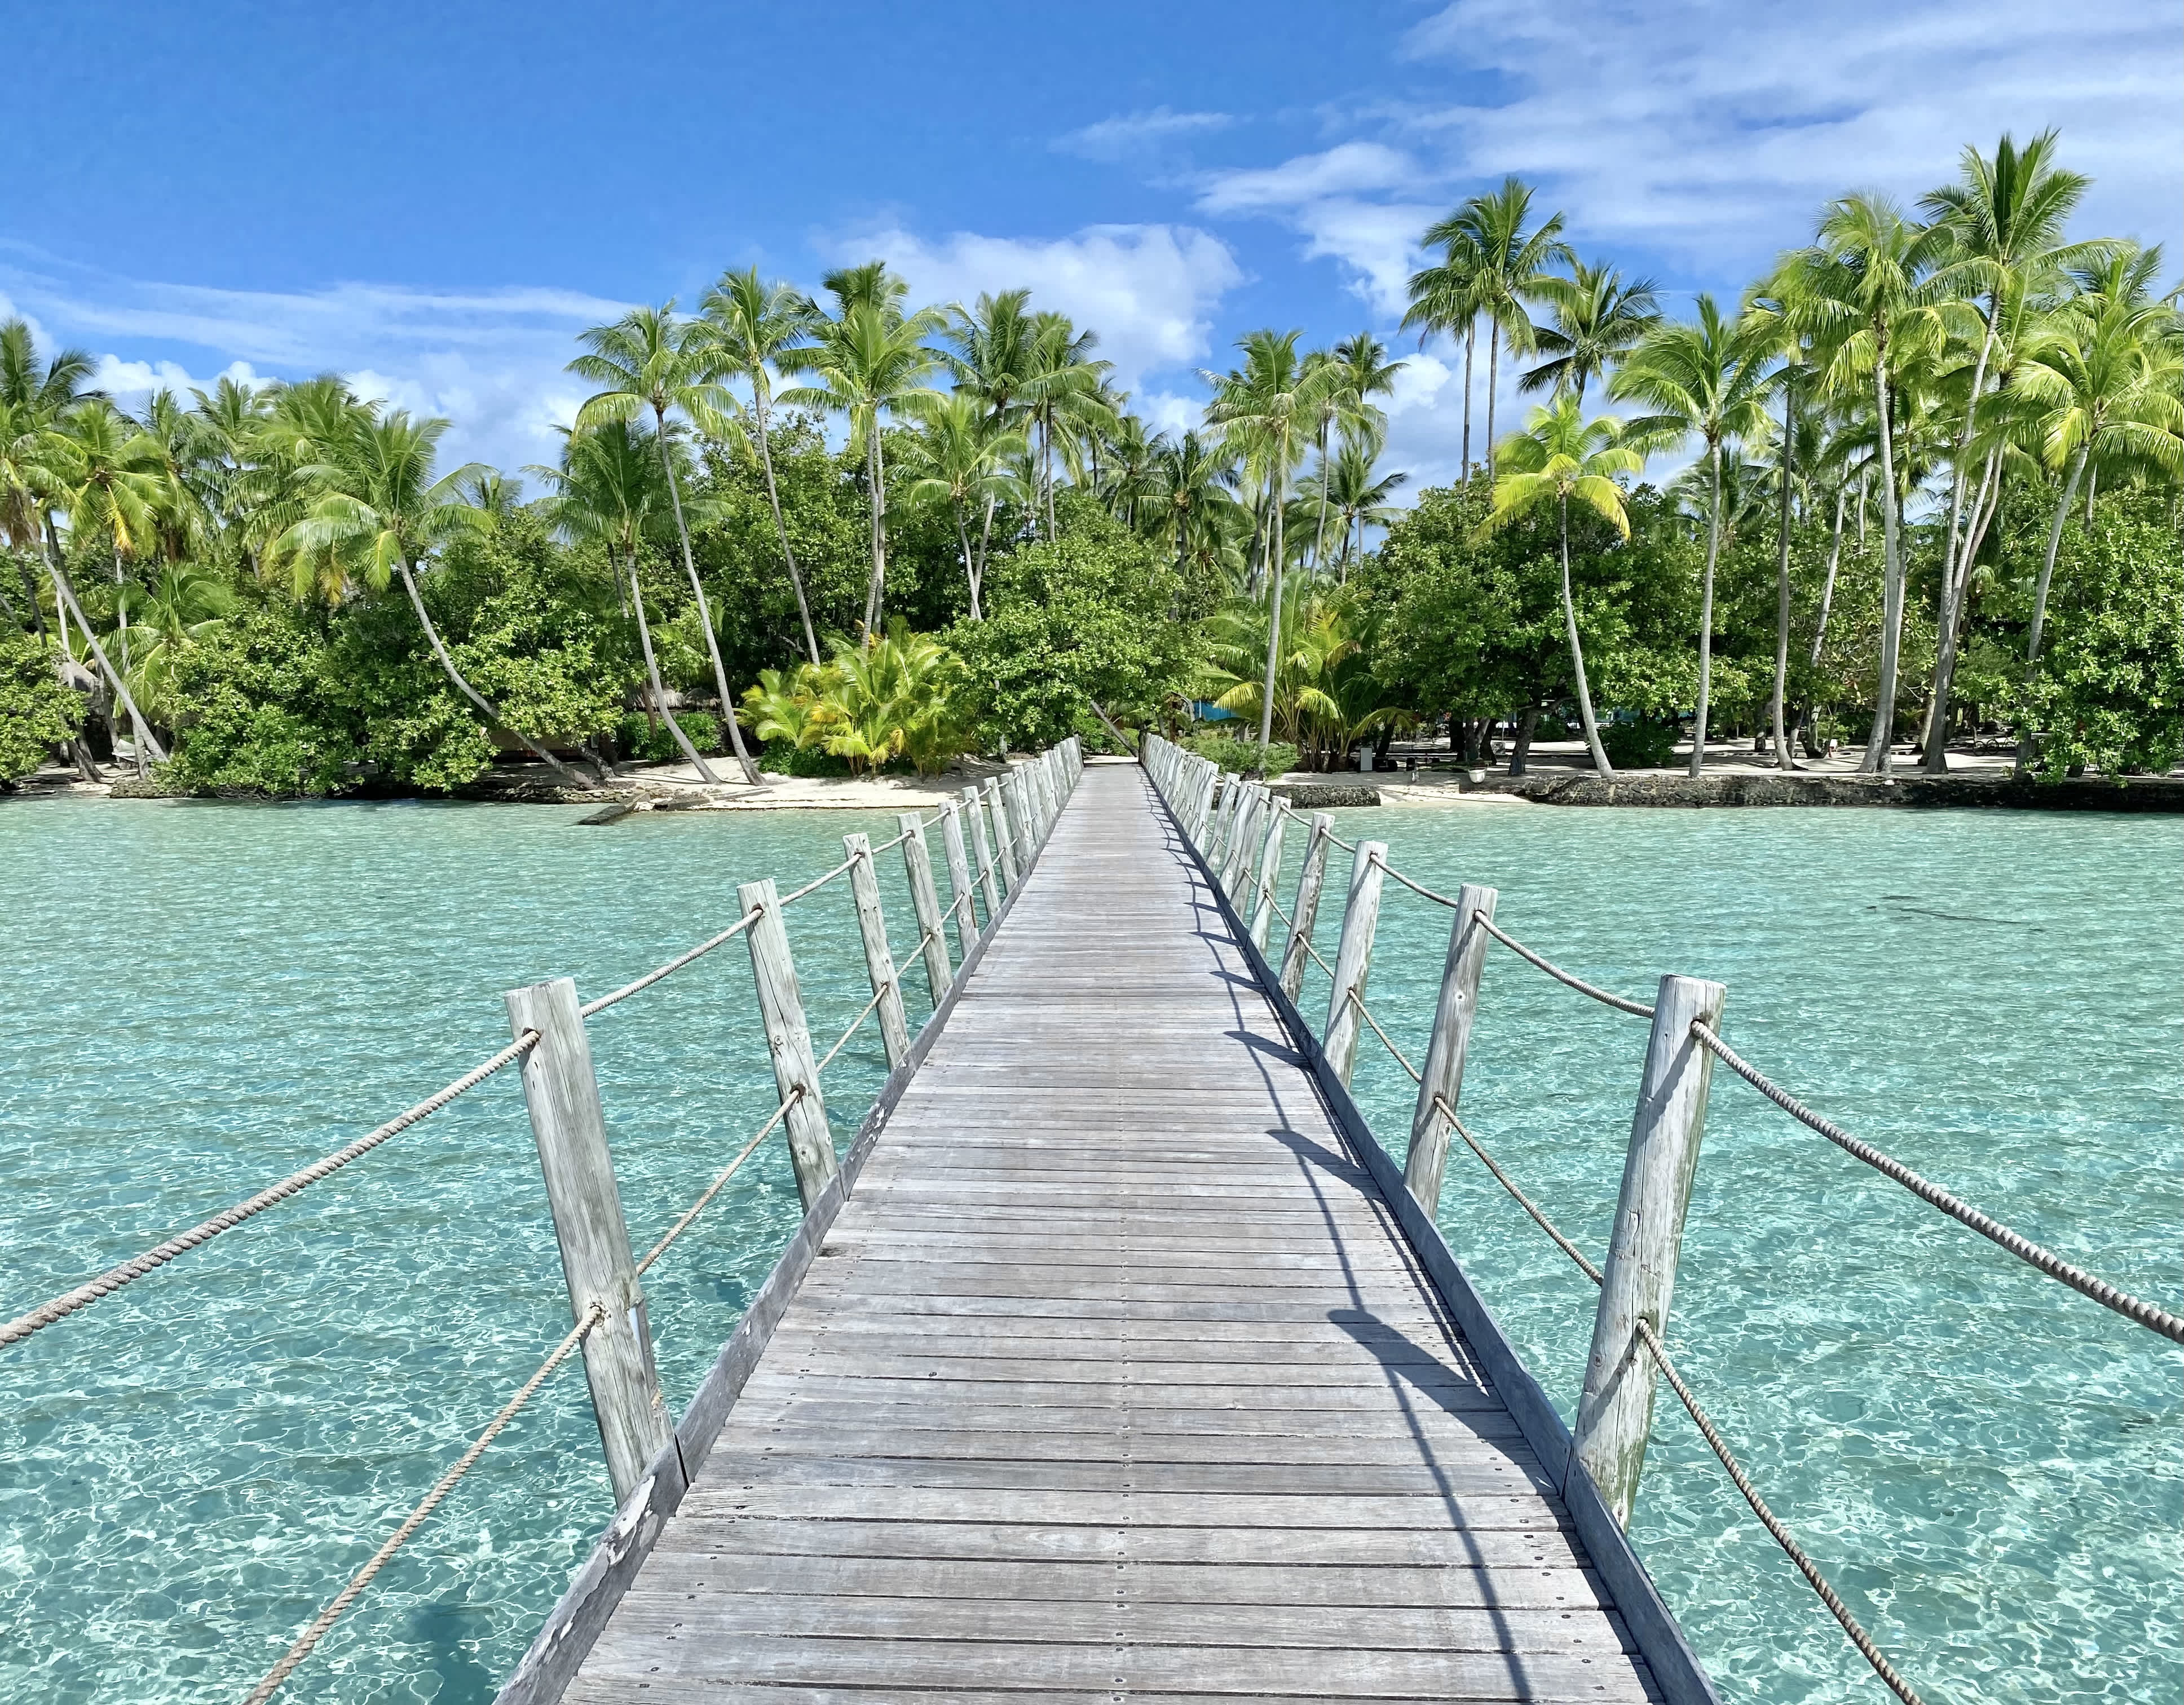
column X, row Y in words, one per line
column 1919, row 481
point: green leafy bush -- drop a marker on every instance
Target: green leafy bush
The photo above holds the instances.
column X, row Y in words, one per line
column 1644, row 744
column 1237, row 755
column 36, row 712
column 647, row 741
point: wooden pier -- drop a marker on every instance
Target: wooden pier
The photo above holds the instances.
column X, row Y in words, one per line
column 1116, row 1375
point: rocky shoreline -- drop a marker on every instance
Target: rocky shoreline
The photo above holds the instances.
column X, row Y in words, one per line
column 1773, row 788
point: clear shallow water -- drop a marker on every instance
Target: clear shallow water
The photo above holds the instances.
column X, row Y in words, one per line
column 193, row 999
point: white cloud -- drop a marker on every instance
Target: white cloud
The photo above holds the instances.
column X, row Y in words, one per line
column 1128, row 134
column 1714, row 133
column 1149, row 290
column 1346, row 170
column 491, row 361
column 128, row 381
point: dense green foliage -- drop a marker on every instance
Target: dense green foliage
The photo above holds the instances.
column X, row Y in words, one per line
column 1934, row 489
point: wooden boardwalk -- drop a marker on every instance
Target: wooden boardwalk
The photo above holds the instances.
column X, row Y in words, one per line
column 1114, row 1378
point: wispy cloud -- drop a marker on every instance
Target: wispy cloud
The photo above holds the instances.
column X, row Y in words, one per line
column 491, row 361
column 1149, row 290
column 1128, row 135
column 1330, row 196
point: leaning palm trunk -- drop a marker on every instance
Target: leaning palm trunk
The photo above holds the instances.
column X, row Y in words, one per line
column 139, row 731
column 705, row 612
column 2026, row 739
column 1783, row 758
column 568, row 776
column 1955, row 579
column 1274, row 634
column 1877, row 746
column 781, row 528
column 1600, row 763
column 970, row 567
column 652, row 676
column 1319, row 536
column 1706, row 614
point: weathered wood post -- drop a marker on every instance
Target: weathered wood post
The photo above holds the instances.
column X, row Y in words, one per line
column 925, row 899
column 788, row 1040
column 1005, row 842
column 1353, row 959
column 1442, row 1079
column 1270, row 875
column 1242, row 857
column 1217, row 831
column 983, row 848
column 879, row 957
column 966, row 906
column 1201, row 802
column 1310, row 880
column 1615, row 1412
column 570, row 1127
column 1020, row 831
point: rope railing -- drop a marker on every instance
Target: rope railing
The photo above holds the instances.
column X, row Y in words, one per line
column 592, row 1008
column 855, row 1024
column 325, row 1620
column 816, row 883
column 113, row 1278
column 2132, row 1308
column 1637, row 1009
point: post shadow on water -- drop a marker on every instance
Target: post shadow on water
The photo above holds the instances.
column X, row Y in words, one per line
column 448, row 1631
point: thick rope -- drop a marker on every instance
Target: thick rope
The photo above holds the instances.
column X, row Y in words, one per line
column 816, row 883
column 1562, row 976
column 2107, row 1296
column 855, row 1025
column 1523, row 1201
column 713, row 1189
column 1782, row 1536
column 417, row 1518
column 699, row 951
column 114, row 1277
column 1366, row 1013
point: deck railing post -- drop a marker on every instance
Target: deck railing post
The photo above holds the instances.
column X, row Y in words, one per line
column 788, row 1040
column 1216, row 832
column 1615, row 1412
column 1442, row 1081
column 1353, row 959
column 1309, row 880
column 1196, row 820
column 1269, row 877
column 1243, row 842
column 925, row 899
column 966, row 906
column 570, row 1127
column 1025, row 845
column 982, row 845
column 1004, row 842
column 879, row 957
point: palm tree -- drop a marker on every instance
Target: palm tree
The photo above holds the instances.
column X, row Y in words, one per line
column 34, row 395
column 1358, row 493
column 1597, row 318
column 2005, row 219
column 378, row 514
column 1364, row 373
column 1195, row 480
column 647, row 359
column 608, row 490
column 110, row 485
column 749, row 325
column 1561, row 455
column 1708, row 376
column 2105, row 381
column 1269, row 407
column 869, row 359
column 1445, row 298
column 968, row 461
column 1865, row 297
column 1067, row 391
column 1132, row 477
column 1510, row 263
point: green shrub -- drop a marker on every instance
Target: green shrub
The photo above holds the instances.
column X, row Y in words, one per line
column 786, row 758
column 36, row 712
column 1644, row 744
column 647, row 741
column 1238, row 756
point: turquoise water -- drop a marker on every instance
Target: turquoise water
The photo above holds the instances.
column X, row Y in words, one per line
column 193, row 999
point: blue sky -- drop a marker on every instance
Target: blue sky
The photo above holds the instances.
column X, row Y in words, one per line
column 433, row 199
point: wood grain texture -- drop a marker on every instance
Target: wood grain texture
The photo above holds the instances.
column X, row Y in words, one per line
column 1115, row 1378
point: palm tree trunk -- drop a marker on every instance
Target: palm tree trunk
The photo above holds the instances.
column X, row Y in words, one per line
column 1320, row 535
column 986, row 538
column 568, row 776
column 2025, row 744
column 1828, row 584
column 781, row 526
column 1274, row 629
column 970, row 568
column 1956, row 577
column 659, row 692
column 1470, row 338
column 705, row 612
column 1600, row 764
column 1493, row 379
column 1783, row 760
column 1876, row 759
column 139, row 731
column 1706, row 611
column 1046, row 471
column 875, row 592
